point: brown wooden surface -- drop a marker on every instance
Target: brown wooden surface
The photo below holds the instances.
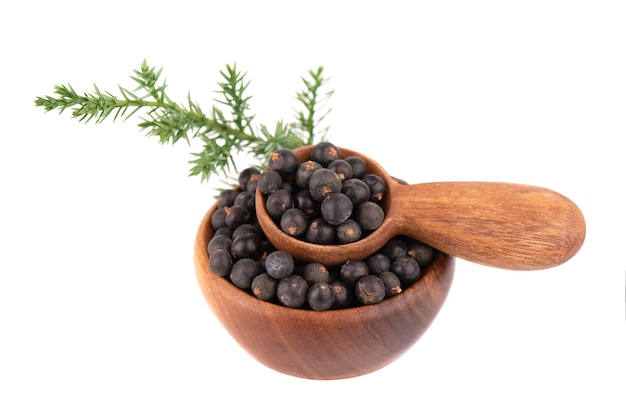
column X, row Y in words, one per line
column 510, row 226
column 332, row 344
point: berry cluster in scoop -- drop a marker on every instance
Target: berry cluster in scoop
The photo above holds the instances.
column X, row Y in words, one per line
column 324, row 200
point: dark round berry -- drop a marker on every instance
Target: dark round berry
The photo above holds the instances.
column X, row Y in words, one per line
column 293, row 222
column 304, row 172
column 320, row 231
column 342, row 168
column 246, row 245
column 252, row 184
column 423, row 254
column 292, row 291
column 284, row 161
column 393, row 286
column 243, row 272
column 369, row 215
column 314, row 272
column 218, row 219
column 247, row 175
column 407, row 269
column 358, row 166
column 344, row 296
column 279, row 264
column 236, row 215
column 246, row 200
column 264, row 286
column 395, row 248
column 278, row 202
column 324, row 182
column 219, row 242
column 269, row 181
column 357, row 190
column 290, row 186
column 305, row 202
column 336, row 208
column 320, row 296
column 352, row 270
column 227, row 197
column 324, row 153
column 378, row 187
column 245, row 228
column 221, row 262
column 349, row 231
column 225, row 231
column 369, row 289
column 378, row 263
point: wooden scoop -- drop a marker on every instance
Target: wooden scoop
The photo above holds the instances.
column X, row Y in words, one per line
column 509, row 226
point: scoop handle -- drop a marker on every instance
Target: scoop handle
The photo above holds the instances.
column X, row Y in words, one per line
column 504, row 225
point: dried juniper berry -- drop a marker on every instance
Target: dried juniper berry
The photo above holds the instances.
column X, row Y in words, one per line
column 247, row 175
column 378, row 263
column 304, row 172
column 284, row 161
column 358, row 165
column 269, row 181
column 314, row 272
column 292, row 291
column 293, row 222
column 225, row 231
column 423, row 254
column 369, row 215
column 369, row 289
column 320, row 232
column 407, row 269
column 219, row 242
column 357, row 190
column 395, row 248
column 279, row 264
column 336, row 208
column 243, row 272
column 264, row 287
column 342, row 168
column 352, row 270
column 236, row 215
column 392, row 283
column 349, row 231
column 378, row 187
column 221, row 262
column 305, row 202
column 324, row 182
column 278, row 202
column 290, row 186
column 245, row 228
column 247, row 245
column 320, row 296
column 324, row 153
column 227, row 197
column 218, row 219
column 344, row 296
column 246, row 200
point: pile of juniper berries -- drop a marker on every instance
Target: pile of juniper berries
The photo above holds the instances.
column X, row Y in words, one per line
column 327, row 200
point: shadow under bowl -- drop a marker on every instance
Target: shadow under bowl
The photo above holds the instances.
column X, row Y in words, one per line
column 324, row 345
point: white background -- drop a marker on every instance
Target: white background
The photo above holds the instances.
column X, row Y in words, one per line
column 99, row 306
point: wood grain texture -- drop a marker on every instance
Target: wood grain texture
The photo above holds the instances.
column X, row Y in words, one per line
column 333, row 344
column 510, row 226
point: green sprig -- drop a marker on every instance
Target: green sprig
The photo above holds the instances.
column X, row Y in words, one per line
column 223, row 134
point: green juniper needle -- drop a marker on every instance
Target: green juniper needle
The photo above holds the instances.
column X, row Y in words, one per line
column 224, row 132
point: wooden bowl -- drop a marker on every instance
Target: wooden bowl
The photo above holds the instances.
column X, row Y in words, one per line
column 332, row 344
